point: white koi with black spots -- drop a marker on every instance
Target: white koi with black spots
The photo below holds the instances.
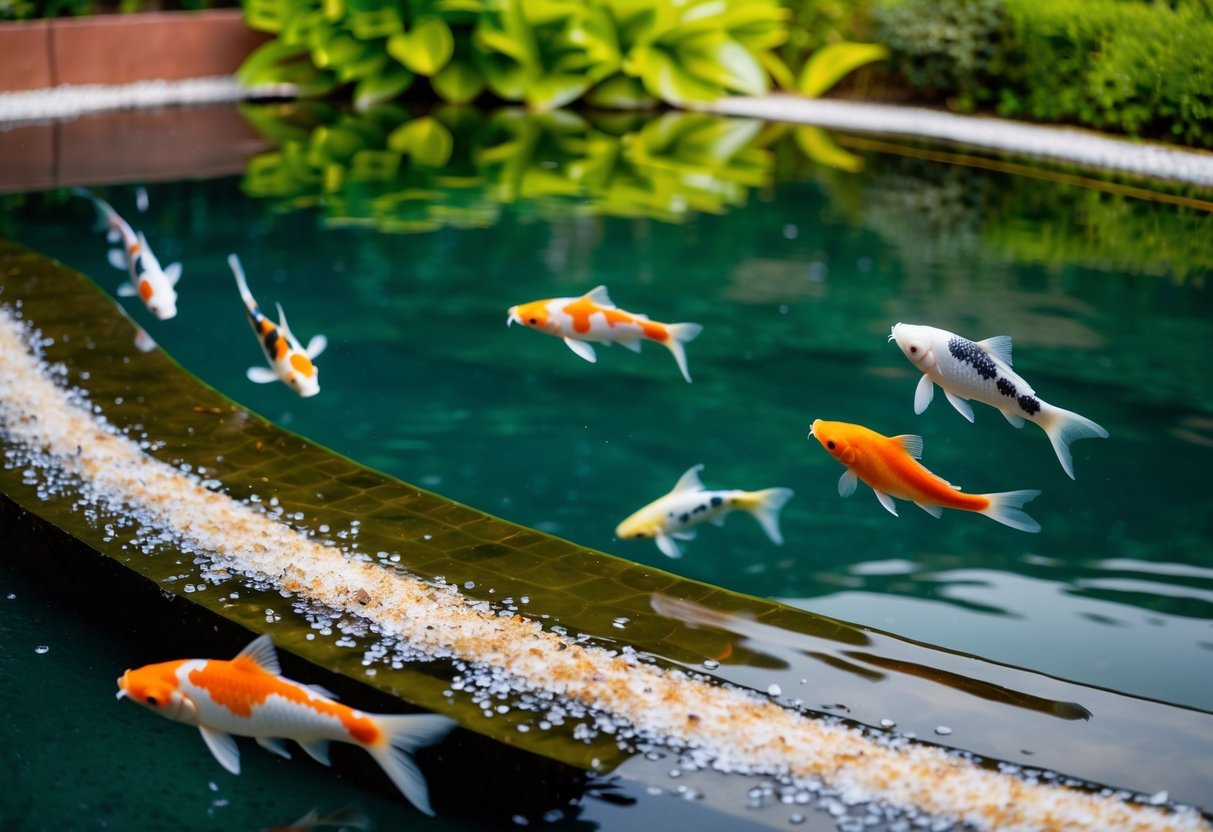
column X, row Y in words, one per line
column 981, row 371
column 675, row 515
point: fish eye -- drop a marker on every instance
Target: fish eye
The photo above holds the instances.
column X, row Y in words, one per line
column 830, row 444
column 913, row 349
column 534, row 320
column 151, row 700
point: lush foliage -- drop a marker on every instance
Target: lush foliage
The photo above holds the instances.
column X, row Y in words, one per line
column 1140, row 68
column 457, row 168
column 545, row 53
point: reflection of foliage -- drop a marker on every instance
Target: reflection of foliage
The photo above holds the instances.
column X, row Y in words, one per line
column 455, row 167
column 546, row 53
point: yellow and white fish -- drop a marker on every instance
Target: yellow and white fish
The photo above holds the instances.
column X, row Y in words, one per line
column 153, row 285
column 676, row 515
column 981, row 370
column 593, row 318
column 248, row 697
column 289, row 361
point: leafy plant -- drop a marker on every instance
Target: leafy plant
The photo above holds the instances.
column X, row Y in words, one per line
column 831, row 63
column 544, row 53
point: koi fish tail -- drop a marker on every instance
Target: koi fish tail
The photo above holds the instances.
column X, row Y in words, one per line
column 403, row 736
column 1006, row 507
column 241, row 282
column 107, row 218
column 1063, row 427
column 765, row 505
column 681, row 334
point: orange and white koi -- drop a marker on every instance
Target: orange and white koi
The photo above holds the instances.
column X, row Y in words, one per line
column 981, row 370
column 289, row 361
column 889, row 465
column 675, row 515
column 593, row 318
column 248, row 697
column 153, row 285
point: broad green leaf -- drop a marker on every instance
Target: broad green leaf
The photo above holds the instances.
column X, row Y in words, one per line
column 335, row 48
column 267, row 15
column 425, row 140
column 426, row 48
column 384, row 86
column 620, row 92
column 459, row 82
column 555, row 90
column 378, row 23
column 668, row 80
column 829, row 64
column 778, row 70
column 818, row 146
column 334, row 10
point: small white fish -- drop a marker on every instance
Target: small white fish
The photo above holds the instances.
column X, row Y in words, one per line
column 152, row 284
column 678, row 513
column 981, row 370
column 248, row 697
column 289, row 361
column 593, row 318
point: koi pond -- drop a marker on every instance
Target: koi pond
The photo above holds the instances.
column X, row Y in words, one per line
column 405, row 240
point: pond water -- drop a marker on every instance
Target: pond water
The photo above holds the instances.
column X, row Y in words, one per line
column 408, row 256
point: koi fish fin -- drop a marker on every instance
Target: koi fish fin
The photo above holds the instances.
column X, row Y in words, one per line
column 583, row 349
column 765, row 505
column 405, row 734
column 318, row 750
column 689, row 481
column 1006, row 508
column 241, row 282
column 282, row 324
column 126, row 289
column 681, row 334
column 274, row 746
column 113, row 236
column 668, row 547
column 260, row 375
column 223, row 746
column 351, row 817
column 173, row 273
column 923, row 393
column 317, row 345
column 1016, row 421
column 634, row 346
column 934, row 511
column 598, row 295
column 260, row 651
column 323, row 691
column 718, row 520
column 688, row 534
column 910, row 443
column 962, row 407
column 886, row 501
column 117, row 258
column 998, row 347
column 1063, row 427
column 847, row 483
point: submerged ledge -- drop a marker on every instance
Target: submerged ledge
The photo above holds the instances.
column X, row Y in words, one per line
column 66, row 446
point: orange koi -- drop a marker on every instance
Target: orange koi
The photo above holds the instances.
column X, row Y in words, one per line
column 889, row 465
column 247, row 696
column 592, row 317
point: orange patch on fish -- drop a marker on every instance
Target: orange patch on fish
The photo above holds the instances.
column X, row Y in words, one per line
column 303, row 364
column 145, row 290
column 582, row 309
column 241, row 684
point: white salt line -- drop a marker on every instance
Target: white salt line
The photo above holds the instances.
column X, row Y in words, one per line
column 1065, row 144
column 73, row 100
column 741, row 730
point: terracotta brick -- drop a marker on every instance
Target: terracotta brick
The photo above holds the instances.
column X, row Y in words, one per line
column 27, row 157
column 123, row 49
column 26, row 64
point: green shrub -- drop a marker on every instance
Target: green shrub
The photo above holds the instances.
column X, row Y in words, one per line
column 546, row 53
column 1141, row 68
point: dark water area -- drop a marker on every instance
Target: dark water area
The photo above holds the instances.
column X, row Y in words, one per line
column 796, row 272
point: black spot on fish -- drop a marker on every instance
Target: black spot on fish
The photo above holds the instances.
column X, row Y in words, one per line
column 684, row 517
column 716, row 501
column 271, row 341
column 1007, row 388
column 138, row 266
column 965, row 350
column 1030, row 404
column 699, row 508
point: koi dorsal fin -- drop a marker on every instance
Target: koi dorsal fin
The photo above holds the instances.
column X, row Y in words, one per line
column 282, row 324
column 910, row 443
column 599, row 296
column 260, row 651
column 689, row 481
column 999, row 347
